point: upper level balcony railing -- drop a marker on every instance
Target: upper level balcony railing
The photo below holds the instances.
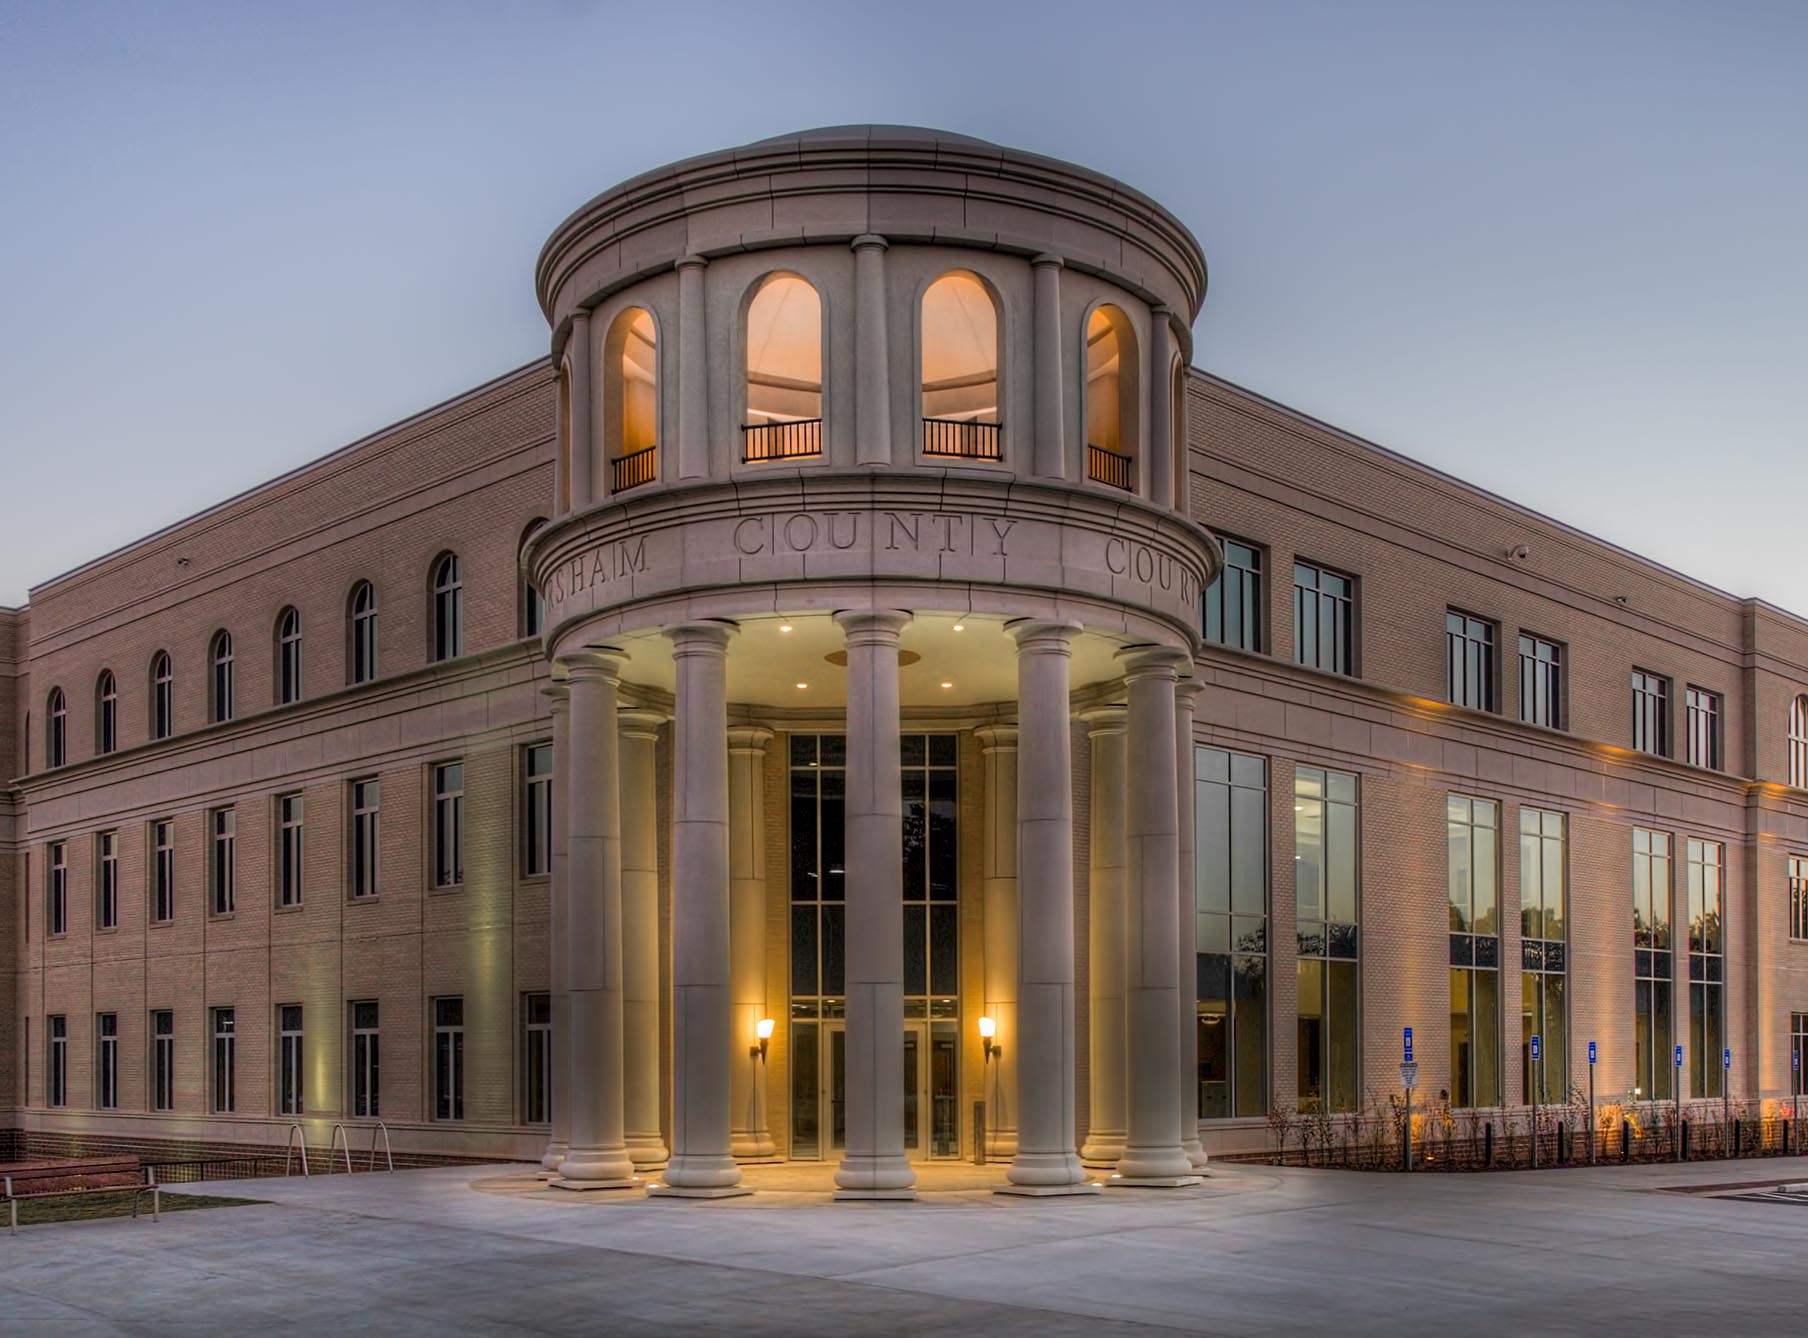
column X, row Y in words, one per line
column 789, row 440
column 1103, row 466
column 634, row 469
column 962, row 439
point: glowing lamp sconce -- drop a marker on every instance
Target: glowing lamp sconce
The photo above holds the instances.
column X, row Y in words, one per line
column 764, row 1029
column 988, row 1028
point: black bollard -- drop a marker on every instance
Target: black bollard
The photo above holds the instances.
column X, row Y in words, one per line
column 1625, row 1140
column 1488, row 1144
column 1685, row 1140
column 1737, row 1131
column 1561, row 1156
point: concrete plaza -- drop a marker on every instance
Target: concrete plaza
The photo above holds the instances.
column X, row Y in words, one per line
column 1255, row 1250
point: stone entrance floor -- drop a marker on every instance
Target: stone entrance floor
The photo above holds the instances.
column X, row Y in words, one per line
column 1256, row 1250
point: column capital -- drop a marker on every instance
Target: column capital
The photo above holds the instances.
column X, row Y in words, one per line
column 1101, row 720
column 868, row 241
column 593, row 664
column 558, row 695
column 749, row 739
column 1048, row 260
column 1186, row 692
column 700, row 638
column 1152, row 661
column 637, row 722
column 997, row 738
column 690, row 262
column 1161, row 313
column 872, row 626
column 1037, row 636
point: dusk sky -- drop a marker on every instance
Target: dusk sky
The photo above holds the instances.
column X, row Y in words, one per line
column 1554, row 249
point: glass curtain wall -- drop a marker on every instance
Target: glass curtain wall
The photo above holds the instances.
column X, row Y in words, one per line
column 1474, row 865
column 1325, row 880
column 1230, row 904
column 1543, row 917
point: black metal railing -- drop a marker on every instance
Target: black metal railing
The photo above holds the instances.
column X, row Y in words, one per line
column 1103, row 466
column 963, row 439
column 781, row 441
column 634, row 469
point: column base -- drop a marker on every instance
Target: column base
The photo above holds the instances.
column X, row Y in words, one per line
column 1102, row 1153
column 753, row 1148
column 647, row 1152
column 1050, row 1191
column 867, row 1174
column 555, row 1153
column 905, row 1195
column 1153, row 1181
column 1196, row 1154
column 562, row 1182
column 714, row 1172
column 662, row 1191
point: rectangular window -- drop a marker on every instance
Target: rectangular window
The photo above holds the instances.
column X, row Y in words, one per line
column 221, row 871
column 56, row 1093
column 1469, row 655
column 1230, row 934
column 448, row 824
column 365, row 1105
column 106, row 881
column 56, row 892
column 106, row 1061
column 1540, row 682
column 225, row 1062
column 1323, row 619
column 288, row 849
column 365, row 797
column 163, row 1060
column 1233, row 601
column 1798, row 896
column 1650, row 713
column 1707, row 997
column 1473, row 831
column 289, row 1092
column 818, row 878
column 449, row 1059
column 1701, row 710
column 1326, row 877
column 163, row 871
column 536, row 810
column 931, row 877
column 536, row 1058
column 1543, row 980
column 1652, row 978
column 1798, row 1049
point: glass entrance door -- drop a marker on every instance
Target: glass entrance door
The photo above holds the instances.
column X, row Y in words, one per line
column 931, row 1090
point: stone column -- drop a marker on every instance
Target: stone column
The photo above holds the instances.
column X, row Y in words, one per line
column 693, row 371
column 749, row 1139
column 700, row 1166
column 583, row 446
column 597, row 1157
column 1152, row 1151
column 1051, row 434
column 1186, row 957
column 559, row 914
column 1045, row 1162
column 999, row 746
column 1105, row 941
column 640, row 936
column 1161, row 408
column 874, row 1164
column 872, row 362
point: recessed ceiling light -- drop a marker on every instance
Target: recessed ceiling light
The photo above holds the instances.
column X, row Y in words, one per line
column 946, row 684
column 784, row 627
column 802, row 686
column 960, row 627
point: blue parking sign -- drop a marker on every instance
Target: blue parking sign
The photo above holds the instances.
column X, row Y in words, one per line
column 1591, row 1052
column 1407, row 1035
column 1534, row 1049
column 1679, row 1056
column 1726, row 1058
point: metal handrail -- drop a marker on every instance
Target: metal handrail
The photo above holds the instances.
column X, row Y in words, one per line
column 1103, row 466
column 633, row 469
column 339, row 1134
column 789, row 439
column 963, row 438
column 388, row 1156
column 295, row 1134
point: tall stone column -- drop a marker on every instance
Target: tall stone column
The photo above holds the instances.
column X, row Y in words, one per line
column 1046, row 1162
column 1105, row 941
column 750, row 1139
column 693, row 371
column 1186, row 959
column 583, row 445
column 872, row 362
column 874, row 1164
column 1152, row 1151
column 998, row 744
column 701, row 1165
column 1050, row 455
column 1161, row 407
column 559, row 914
column 640, row 936
column 597, row 1157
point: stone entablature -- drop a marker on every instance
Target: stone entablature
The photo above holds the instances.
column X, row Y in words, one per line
column 1006, row 538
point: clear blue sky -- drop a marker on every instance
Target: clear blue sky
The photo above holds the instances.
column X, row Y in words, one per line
column 1555, row 249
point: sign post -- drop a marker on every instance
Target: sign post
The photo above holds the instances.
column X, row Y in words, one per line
column 1591, row 1103
column 1679, row 1103
column 1795, row 1130
column 1726, row 1098
column 1532, row 1082
column 1409, row 1079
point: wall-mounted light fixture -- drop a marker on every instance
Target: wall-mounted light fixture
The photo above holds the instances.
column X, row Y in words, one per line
column 764, row 1029
column 988, row 1028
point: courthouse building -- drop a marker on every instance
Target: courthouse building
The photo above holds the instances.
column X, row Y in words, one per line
column 867, row 698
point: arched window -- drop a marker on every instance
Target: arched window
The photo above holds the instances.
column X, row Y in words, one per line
column 163, row 696
column 56, row 730
column 1112, row 384
column 631, row 399
column 960, row 369
column 563, row 483
column 220, row 656
column 362, row 657
column 288, row 656
column 106, row 713
column 1182, row 461
column 533, row 603
column 448, row 608
column 784, row 371
column 1798, row 742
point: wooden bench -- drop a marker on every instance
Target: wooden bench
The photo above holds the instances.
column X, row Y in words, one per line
column 59, row 1179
